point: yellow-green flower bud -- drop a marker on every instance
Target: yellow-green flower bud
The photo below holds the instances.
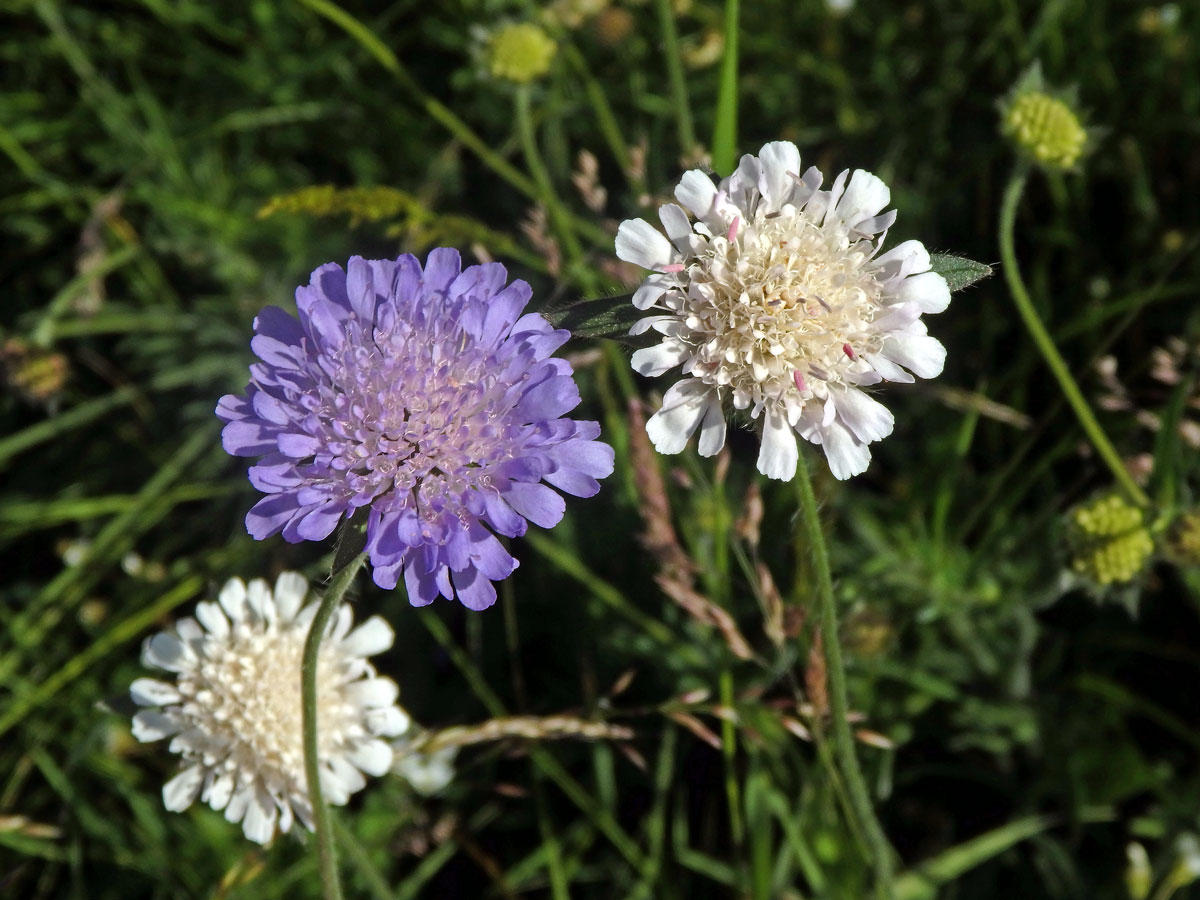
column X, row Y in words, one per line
column 520, row 53
column 1046, row 128
column 1110, row 543
column 37, row 375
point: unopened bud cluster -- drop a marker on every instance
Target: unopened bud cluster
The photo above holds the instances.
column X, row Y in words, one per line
column 1109, row 539
column 520, row 53
column 1046, row 128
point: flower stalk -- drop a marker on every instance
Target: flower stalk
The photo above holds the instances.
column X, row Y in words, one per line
column 843, row 740
column 322, row 820
column 1045, row 343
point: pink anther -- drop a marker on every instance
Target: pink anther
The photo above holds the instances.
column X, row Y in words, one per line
column 733, row 227
column 673, row 267
column 848, row 350
column 799, row 379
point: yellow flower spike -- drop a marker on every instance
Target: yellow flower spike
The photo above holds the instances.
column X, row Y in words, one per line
column 1110, row 542
column 520, row 53
column 1043, row 123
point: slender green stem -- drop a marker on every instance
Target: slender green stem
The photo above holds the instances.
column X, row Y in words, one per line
column 843, row 741
column 376, row 886
column 724, row 140
column 679, row 95
column 606, row 119
column 1045, row 344
column 322, row 821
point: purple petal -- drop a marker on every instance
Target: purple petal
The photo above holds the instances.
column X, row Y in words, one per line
column 271, row 515
column 441, row 268
column 474, row 590
column 273, row 322
column 536, row 502
column 551, row 398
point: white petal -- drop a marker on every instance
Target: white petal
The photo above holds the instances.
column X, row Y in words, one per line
column 677, row 226
column 846, row 455
column 390, row 721
column 212, row 619
column 887, row 369
column 373, row 757
column 928, row 291
column 339, row 626
column 649, row 292
column 233, row 599
column 641, row 326
column 653, row 361
column 371, row 637
column 778, row 454
column 683, row 407
column 712, row 428
column 373, row 692
column 259, row 824
column 696, row 191
column 347, row 777
column 866, row 417
column 236, row 807
column 865, row 196
column 190, row 632
column 427, row 773
column 290, row 590
column 180, row 792
column 152, row 725
column 149, row 692
column 165, row 651
column 219, row 790
column 903, row 260
column 642, row 244
column 919, row 353
column 822, row 203
column 780, row 169
column 258, row 597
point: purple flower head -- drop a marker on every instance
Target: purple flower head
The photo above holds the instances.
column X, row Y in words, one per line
column 426, row 397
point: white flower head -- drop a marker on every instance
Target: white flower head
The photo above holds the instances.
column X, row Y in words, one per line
column 777, row 298
column 234, row 709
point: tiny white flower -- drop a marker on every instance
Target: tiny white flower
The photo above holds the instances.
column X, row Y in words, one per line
column 778, row 299
column 428, row 773
column 233, row 710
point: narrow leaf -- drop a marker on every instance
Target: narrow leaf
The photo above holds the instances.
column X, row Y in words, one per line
column 959, row 271
column 604, row 317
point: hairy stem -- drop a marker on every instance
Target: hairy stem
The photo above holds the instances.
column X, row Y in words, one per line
column 843, row 741
column 322, row 821
column 1045, row 343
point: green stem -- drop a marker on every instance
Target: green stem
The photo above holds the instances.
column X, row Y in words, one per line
column 322, row 821
column 843, row 741
column 679, row 95
column 1045, row 344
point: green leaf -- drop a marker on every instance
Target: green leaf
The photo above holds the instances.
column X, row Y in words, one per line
column 959, row 271
column 604, row 317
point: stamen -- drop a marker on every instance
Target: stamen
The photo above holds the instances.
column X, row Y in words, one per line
column 673, row 267
column 799, row 379
column 733, row 227
column 828, row 308
column 848, row 350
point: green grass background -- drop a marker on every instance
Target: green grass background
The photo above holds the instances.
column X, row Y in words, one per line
column 1038, row 729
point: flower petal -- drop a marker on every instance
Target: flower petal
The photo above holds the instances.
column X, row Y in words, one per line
column 642, row 244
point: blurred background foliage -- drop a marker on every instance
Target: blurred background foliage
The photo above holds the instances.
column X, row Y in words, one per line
column 1023, row 733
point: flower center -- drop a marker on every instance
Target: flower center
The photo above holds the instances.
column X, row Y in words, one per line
column 777, row 304
column 418, row 415
column 245, row 693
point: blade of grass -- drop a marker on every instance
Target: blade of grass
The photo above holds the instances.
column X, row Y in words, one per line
column 679, row 94
column 724, row 142
column 124, row 631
